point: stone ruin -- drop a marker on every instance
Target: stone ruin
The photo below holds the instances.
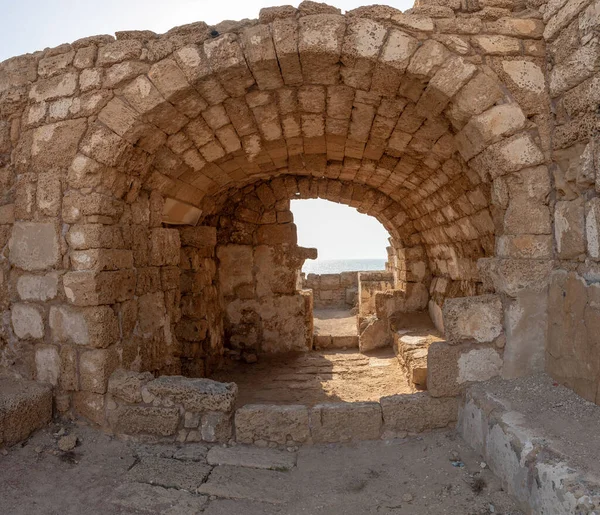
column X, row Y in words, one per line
column 145, row 219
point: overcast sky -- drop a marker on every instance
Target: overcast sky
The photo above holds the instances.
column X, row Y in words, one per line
column 339, row 232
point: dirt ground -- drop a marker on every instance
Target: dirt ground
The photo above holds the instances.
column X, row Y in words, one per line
column 335, row 322
column 319, row 376
column 434, row 473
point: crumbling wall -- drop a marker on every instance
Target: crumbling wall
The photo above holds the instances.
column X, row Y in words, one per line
column 258, row 267
column 333, row 290
column 573, row 47
column 200, row 329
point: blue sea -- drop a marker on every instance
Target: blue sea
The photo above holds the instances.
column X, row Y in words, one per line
column 335, row 266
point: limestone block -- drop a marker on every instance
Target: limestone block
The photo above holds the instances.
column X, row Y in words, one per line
column 375, row 335
column 93, row 326
column 198, row 237
column 489, row 127
column 47, row 364
column 77, row 205
column 569, row 223
column 196, row 395
column 417, row 412
column 509, row 155
column 451, row 367
column 272, row 423
column 526, row 75
column 427, row 59
column 133, row 420
column 525, row 246
column 592, row 228
column 90, row 405
column 27, row 321
column 164, row 247
column 320, row 42
column 526, row 321
column 498, row 45
column 63, row 85
column 24, row 407
column 477, row 318
column 227, row 61
column 119, row 51
column 88, row 288
column 277, row 234
column 92, row 236
column 343, row 422
column 216, row 426
column 510, row 276
column 38, row 287
column 101, row 259
column 55, row 145
column 236, row 263
column 95, row 368
column 34, row 245
column 526, row 216
column 261, row 57
column 578, row 67
column 127, row 385
column 251, row 457
column 480, row 93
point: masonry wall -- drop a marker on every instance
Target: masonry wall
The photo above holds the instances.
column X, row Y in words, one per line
column 573, row 45
column 333, row 290
column 258, row 267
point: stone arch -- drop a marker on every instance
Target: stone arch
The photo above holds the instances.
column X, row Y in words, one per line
column 409, row 109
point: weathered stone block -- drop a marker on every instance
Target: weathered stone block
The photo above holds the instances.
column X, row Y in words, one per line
column 88, row 288
column 451, row 367
column 272, row 423
column 95, row 367
column 198, row 237
column 216, row 426
column 27, row 321
column 345, row 421
column 164, row 247
column 96, row 326
column 133, row 420
column 24, row 407
column 476, row 318
column 47, row 364
column 197, row 395
column 127, row 385
column 417, row 412
column 277, row 234
column 37, row 287
column 34, row 245
column 90, row 405
column 569, row 222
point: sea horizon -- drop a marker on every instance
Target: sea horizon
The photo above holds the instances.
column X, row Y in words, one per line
column 335, row 266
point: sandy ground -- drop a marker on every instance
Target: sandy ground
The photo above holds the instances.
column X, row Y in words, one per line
column 319, row 376
column 335, row 322
column 411, row 476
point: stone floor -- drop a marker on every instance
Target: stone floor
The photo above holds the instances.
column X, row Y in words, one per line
column 336, row 322
column 434, row 473
column 319, row 376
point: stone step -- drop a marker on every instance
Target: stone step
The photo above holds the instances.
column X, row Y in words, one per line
column 540, row 439
column 251, row 457
column 393, row 416
column 329, row 341
column 25, row 406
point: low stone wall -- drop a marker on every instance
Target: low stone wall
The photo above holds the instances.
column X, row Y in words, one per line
column 370, row 283
column 392, row 417
column 175, row 408
column 333, row 290
column 170, row 407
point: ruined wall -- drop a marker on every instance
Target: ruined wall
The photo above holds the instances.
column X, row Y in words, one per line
column 369, row 284
column 573, row 44
column 200, row 329
column 333, row 290
column 258, row 267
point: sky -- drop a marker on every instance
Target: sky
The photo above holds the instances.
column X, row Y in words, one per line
column 339, row 232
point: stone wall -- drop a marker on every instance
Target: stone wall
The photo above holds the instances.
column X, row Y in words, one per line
column 258, row 266
column 573, row 48
column 438, row 122
column 333, row 290
column 369, row 284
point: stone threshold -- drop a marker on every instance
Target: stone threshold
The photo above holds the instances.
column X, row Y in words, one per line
column 175, row 408
column 540, row 439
